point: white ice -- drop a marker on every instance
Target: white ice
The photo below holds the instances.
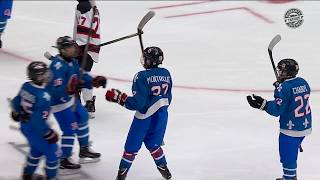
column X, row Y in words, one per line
column 211, row 135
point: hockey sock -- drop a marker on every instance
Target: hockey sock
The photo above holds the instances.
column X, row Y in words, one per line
column 127, row 160
column 67, row 145
column 158, row 156
column 32, row 163
column 83, row 134
column 289, row 171
column 51, row 169
column 3, row 24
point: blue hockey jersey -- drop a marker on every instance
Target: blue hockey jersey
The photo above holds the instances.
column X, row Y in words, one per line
column 5, row 9
column 62, row 72
column 151, row 91
column 35, row 100
column 292, row 105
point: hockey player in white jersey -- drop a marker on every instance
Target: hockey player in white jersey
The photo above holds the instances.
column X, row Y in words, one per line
column 84, row 23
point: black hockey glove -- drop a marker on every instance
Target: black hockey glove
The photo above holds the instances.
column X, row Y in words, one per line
column 99, row 81
column 52, row 137
column 21, row 116
column 257, row 102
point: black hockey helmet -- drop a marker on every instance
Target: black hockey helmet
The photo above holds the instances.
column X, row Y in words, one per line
column 151, row 57
column 64, row 42
column 287, row 68
column 38, row 72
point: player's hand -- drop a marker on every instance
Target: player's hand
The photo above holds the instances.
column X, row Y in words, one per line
column 51, row 136
column 114, row 95
column 15, row 116
column 257, row 102
column 99, row 81
column 74, row 85
column 20, row 116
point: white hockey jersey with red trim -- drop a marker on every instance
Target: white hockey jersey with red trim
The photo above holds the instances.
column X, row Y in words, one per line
column 81, row 30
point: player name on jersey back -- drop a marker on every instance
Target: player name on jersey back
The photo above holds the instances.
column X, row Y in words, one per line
column 156, row 79
column 299, row 89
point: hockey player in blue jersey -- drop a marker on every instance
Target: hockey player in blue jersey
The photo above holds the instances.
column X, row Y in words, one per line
column 31, row 108
column 291, row 103
column 151, row 98
column 71, row 115
column 5, row 14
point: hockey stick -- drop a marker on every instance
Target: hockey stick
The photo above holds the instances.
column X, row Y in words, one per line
column 274, row 42
column 146, row 18
column 119, row 39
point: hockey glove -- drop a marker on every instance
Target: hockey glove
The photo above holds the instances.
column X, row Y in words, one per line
column 256, row 102
column 21, row 116
column 51, row 136
column 114, row 95
column 99, row 81
column 74, row 85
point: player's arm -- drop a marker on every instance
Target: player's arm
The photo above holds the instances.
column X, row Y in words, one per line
column 140, row 94
column 277, row 106
column 15, row 104
column 16, row 108
column 39, row 122
column 135, row 102
column 18, row 113
column 39, row 118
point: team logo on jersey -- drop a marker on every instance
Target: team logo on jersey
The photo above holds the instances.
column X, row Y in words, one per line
column 58, row 65
column 293, row 18
column 46, row 96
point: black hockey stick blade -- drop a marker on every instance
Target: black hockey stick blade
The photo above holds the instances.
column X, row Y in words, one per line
column 274, row 42
column 145, row 20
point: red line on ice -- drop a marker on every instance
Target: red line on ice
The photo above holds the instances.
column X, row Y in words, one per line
column 179, row 5
column 197, row 88
column 15, row 55
column 252, row 12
